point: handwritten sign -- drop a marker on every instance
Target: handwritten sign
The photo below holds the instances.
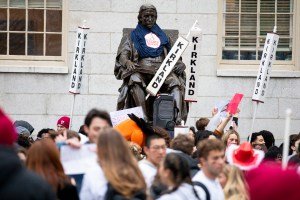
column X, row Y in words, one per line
column 192, row 69
column 77, row 68
column 121, row 115
column 167, row 66
column 78, row 161
column 264, row 71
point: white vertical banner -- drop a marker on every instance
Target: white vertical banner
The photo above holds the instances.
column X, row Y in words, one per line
column 286, row 139
column 267, row 58
column 78, row 62
column 167, row 66
column 192, row 70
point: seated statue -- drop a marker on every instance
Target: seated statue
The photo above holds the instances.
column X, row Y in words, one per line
column 139, row 56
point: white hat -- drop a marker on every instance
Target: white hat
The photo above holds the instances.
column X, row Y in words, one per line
column 244, row 156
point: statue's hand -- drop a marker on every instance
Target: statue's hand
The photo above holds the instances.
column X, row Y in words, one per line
column 130, row 65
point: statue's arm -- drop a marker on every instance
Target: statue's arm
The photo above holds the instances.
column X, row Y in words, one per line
column 126, row 63
column 125, row 53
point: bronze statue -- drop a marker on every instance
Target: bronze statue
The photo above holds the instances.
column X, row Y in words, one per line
column 139, row 56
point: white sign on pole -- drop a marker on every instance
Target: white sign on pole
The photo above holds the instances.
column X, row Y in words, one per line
column 121, row 115
column 264, row 71
column 167, row 66
column 193, row 67
column 76, row 73
column 181, row 130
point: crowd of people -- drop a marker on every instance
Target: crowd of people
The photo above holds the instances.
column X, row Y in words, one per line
column 151, row 165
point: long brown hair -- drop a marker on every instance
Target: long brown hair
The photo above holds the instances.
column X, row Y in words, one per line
column 118, row 164
column 44, row 159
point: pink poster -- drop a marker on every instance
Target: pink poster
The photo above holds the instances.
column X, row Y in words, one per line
column 234, row 103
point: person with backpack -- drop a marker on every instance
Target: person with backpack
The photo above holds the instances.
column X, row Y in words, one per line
column 211, row 154
column 175, row 174
column 118, row 175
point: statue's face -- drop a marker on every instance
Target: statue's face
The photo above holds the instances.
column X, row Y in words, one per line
column 148, row 18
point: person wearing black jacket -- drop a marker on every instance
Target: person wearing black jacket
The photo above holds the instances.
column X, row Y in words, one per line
column 15, row 181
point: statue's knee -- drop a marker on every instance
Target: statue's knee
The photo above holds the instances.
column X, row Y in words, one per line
column 136, row 88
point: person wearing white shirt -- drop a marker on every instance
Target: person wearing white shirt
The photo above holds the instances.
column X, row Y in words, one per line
column 211, row 154
column 118, row 173
column 155, row 150
column 94, row 184
column 175, row 174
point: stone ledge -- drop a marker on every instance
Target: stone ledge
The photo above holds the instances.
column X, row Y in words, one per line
column 50, row 67
column 253, row 73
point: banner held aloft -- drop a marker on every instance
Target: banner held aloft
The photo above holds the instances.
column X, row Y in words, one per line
column 78, row 61
column 195, row 38
column 78, row 64
column 167, row 66
column 264, row 72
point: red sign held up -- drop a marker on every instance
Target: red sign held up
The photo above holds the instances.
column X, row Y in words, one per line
column 234, row 103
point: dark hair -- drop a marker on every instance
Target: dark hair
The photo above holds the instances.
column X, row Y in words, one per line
column 96, row 113
column 193, row 130
column 163, row 133
column 202, row 123
column 206, row 146
column 254, row 136
column 293, row 139
column 268, row 137
column 273, row 153
column 184, row 143
column 24, row 141
column 44, row 130
column 151, row 137
column 201, row 135
column 81, row 130
column 179, row 167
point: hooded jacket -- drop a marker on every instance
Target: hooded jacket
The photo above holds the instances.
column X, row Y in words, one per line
column 24, row 124
column 18, row 183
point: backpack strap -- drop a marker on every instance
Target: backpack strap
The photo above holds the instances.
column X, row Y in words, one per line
column 197, row 183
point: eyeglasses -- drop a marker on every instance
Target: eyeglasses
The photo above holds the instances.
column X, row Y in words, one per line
column 157, row 147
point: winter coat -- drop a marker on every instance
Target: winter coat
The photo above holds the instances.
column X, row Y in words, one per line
column 18, row 183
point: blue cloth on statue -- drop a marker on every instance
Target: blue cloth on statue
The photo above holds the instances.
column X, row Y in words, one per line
column 138, row 38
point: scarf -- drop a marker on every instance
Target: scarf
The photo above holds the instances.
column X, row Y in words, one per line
column 138, row 38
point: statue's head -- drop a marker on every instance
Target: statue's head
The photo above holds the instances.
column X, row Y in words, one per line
column 147, row 15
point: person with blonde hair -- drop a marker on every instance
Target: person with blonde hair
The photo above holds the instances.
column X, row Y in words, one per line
column 231, row 137
column 118, row 173
column 233, row 183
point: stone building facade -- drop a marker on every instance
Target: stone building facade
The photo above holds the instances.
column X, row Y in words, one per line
column 40, row 95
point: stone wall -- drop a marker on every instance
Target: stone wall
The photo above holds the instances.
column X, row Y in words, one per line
column 42, row 98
